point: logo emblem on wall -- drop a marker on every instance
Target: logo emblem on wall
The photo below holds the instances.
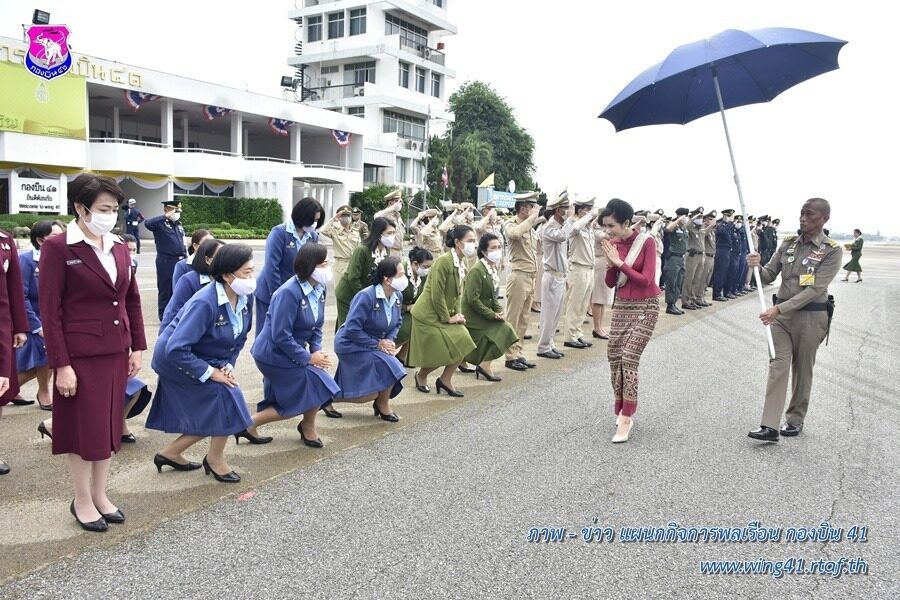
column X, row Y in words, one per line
column 48, row 51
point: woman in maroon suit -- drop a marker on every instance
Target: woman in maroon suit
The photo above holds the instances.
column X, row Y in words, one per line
column 13, row 322
column 94, row 333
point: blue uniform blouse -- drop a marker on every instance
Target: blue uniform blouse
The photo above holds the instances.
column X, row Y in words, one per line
column 293, row 329
column 282, row 246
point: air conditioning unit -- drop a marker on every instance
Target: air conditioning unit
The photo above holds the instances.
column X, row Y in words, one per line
column 427, row 52
column 359, row 91
column 414, row 146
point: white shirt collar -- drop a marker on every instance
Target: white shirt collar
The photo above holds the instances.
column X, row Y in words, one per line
column 74, row 234
column 379, row 293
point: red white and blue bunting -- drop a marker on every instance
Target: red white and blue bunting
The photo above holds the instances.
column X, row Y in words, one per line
column 341, row 137
column 138, row 99
column 280, row 126
column 211, row 113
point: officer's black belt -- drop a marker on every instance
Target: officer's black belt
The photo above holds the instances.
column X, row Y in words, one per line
column 708, row 254
column 676, row 254
column 811, row 306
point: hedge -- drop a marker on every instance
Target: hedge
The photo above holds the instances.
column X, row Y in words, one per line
column 239, row 234
column 251, row 213
column 29, row 219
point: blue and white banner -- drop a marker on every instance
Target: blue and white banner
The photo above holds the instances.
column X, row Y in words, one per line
column 138, row 99
column 341, row 137
column 211, row 113
column 280, row 126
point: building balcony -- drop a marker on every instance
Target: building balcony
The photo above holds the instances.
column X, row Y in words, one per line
column 130, row 156
column 434, row 17
column 371, row 46
column 207, row 163
column 24, row 148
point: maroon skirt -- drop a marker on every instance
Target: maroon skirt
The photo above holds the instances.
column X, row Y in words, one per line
column 89, row 424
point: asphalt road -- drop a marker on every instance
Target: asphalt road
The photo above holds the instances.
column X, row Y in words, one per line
column 441, row 508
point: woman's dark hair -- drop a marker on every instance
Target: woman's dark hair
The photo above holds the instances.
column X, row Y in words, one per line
column 86, row 187
column 457, row 233
column 378, row 227
column 128, row 238
column 386, row 268
column 206, row 249
column 310, row 256
column 619, row 210
column 42, row 229
column 198, row 235
column 484, row 242
column 304, row 213
column 420, row 255
column 229, row 259
column 858, row 231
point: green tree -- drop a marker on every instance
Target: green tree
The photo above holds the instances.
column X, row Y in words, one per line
column 371, row 200
column 469, row 159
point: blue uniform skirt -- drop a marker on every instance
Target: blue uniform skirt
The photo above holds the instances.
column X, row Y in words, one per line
column 293, row 391
column 368, row 372
column 134, row 386
column 32, row 355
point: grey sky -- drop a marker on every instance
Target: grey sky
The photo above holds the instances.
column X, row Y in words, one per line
column 559, row 64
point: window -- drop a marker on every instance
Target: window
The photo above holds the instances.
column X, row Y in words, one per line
column 329, row 70
column 370, row 174
column 314, row 29
column 438, row 3
column 403, row 79
column 418, row 172
column 359, row 73
column 335, row 25
column 420, row 80
column 435, row 85
column 404, row 125
column 401, row 172
column 356, row 111
column 411, row 36
column 357, row 21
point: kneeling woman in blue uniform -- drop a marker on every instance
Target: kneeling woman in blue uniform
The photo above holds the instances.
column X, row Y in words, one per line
column 191, row 282
column 198, row 394
column 368, row 369
column 288, row 350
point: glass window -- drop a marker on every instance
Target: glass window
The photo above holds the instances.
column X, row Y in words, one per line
column 370, row 173
column 404, row 125
column 418, row 172
column 439, row 3
column 356, row 111
column 314, row 29
column 435, row 85
column 359, row 73
column 328, row 70
column 357, row 21
column 401, row 172
column 411, row 36
column 335, row 25
column 420, row 80
column 403, row 79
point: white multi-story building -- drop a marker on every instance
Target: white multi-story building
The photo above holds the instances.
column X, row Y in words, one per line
column 383, row 62
column 188, row 137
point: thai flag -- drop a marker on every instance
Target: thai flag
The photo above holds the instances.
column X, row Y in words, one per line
column 445, row 179
column 280, row 126
column 341, row 137
column 137, row 99
column 211, row 113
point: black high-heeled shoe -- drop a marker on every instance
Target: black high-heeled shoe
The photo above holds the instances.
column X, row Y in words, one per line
column 422, row 387
column 262, row 439
column 441, row 386
column 329, row 411
column 479, row 372
column 95, row 526
column 230, row 477
column 21, row 402
column 113, row 517
column 390, row 417
column 161, row 461
column 316, row 443
column 466, row 369
column 42, row 429
column 129, row 438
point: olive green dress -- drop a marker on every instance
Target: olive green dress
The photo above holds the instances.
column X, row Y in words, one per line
column 410, row 295
column 479, row 305
column 855, row 254
column 357, row 277
column 434, row 341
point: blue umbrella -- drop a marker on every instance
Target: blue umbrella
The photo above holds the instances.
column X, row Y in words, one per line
column 733, row 68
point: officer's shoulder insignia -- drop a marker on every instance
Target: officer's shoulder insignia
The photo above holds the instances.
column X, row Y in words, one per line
column 790, row 238
column 832, row 243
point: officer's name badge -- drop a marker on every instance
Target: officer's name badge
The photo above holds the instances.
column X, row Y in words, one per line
column 291, row 245
column 74, row 261
column 808, row 279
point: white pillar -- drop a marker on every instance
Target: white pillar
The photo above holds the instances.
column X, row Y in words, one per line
column 329, row 209
column 295, row 143
column 237, row 136
column 167, row 123
column 184, row 130
column 63, row 194
column 115, row 119
column 246, row 146
column 13, row 194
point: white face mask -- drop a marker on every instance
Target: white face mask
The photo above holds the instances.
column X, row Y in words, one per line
column 422, row 271
column 243, row 287
column 387, row 242
column 323, row 275
column 101, row 224
column 309, row 228
column 399, row 283
column 495, row 256
column 345, row 221
column 174, row 216
column 470, row 248
column 698, row 221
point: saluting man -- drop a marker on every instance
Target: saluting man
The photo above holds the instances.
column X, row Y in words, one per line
column 392, row 211
column 133, row 220
column 692, row 291
column 580, row 280
column 168, row 235
column 523, row 272
column 709, row 253
column 724, row 239
column 799, row 318
column 344, row 240
column 673, row 268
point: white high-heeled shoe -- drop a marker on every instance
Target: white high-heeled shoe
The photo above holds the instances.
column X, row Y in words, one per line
column 623, row 437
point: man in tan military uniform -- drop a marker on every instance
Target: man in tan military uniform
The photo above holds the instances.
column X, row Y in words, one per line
column 523, row 267
column 392, row 211
column 799, row 319
column 426, row 231
column 344, row 240
column 709, row 253
column 358, row 224
column 692, row 292
column 580, row 280
column 555, row 236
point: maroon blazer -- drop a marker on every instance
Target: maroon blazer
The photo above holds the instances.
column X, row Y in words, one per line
column 13, row 318
column 82, row 312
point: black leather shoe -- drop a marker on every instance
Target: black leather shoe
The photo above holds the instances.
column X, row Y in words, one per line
column 764, row 434
column 114, row 517
column 21, row 402
column 4, row 468
column 422, row 387
column 390, row 417
column 527, row 337
column 127, row 438
column 730, row 296
column 230, row 477
column 161, row 461
column 466, row 369
column 316, row 443
column 329, row 411
column 575, row 344
column 586, row 343
column 598, row 336
column 671, row 310
column 450, row 392
column 703, row 304
column 720, row 299
column 789, row 430
column 515, row 365
column 690, row 306
column 479, row 372
column 521, row 360
column 252, row 438
column 96, row 526
column 550, row 354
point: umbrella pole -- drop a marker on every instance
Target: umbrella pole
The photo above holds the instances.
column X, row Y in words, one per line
column 737, row 183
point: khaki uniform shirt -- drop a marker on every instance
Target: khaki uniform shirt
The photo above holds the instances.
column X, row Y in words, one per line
column 696, row 239
column 555, row 240
column 710, row 248
column 522, row 238
column 361, row 227
column 428, row 236
column 806, row 270
column 581, row 248
column 343, row 240
column 393, row 213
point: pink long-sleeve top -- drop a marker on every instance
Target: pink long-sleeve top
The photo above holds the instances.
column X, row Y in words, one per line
column 642, row 275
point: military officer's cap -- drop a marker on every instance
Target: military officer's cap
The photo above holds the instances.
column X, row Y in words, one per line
column 776, row 221
column 132, row 202
column 763, row 218
column 489, row 204
column 561, row 201
column 728, row 212
column 640, row 213
column 660, row 212
column 175, row 203
column 697, row 211
column 711, row 214
column 343, row 210
column 530, row 197
column 394, row 195
column 682, row 212
column 357, row 210
column 588, row 202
